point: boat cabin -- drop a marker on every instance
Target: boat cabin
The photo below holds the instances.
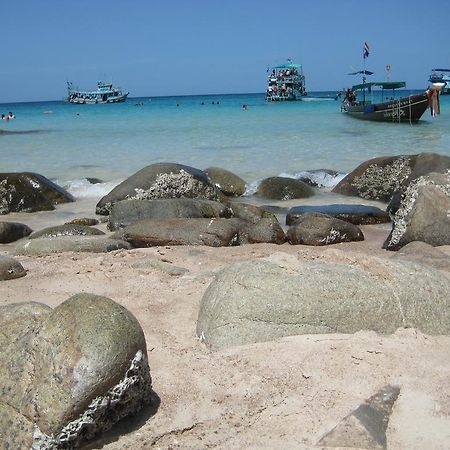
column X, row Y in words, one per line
column 365, row 92
column 286, row 83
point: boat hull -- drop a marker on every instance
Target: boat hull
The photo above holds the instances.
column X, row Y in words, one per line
column 406, row 109
column 83, row 101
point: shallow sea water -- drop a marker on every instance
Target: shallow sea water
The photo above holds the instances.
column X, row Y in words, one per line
column 68, row 143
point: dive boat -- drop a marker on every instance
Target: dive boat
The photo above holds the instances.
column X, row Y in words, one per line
column 359, row 102
column 286, row 83
column 105, row 93
column 441, row 76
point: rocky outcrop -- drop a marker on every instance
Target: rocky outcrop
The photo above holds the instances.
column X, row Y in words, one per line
column 159, row 181
column 320, row 229
column 126, row 212
column 423, row 214
column 380, row 178
column 10, row 268
column 229, row 183
column 281, row 188
column 281, row 296
column 426, row 254
column 29, row 192
column 69, row 373
column 355, row 214
column 66, row 230
column 13, row 231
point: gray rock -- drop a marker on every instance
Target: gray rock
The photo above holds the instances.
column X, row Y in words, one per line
column 69, row 373
column 423, row 253
column 13, row 231
column 250, row 213
column 93, row 244
column 229, row 183
column 67, row 229
column 88, row 345
column 355, row 214
column 313, row 228
column 84, row 221
column 29, row 192
column 266, row 230
column 262, row 300
column 154, row 232
column 158, row 264
column 10, row 268
column 281, row 188
column 366, row 426
column 126, row 212
column 423, row 213
column 380, row 178
column 161, row 180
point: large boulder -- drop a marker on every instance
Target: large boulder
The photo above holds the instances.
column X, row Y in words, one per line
column 10, row 268
column 161, row 180
column 257, row 301
column 229, row 183
column 126, row 212
column 320, row 229
column 282, row 188
column 266, row 230
column 29, row 192
column 423, row 214
column 12, row 231
column 423, row 253
column 70, row 372
column 155, row 232
column 249, row 213
column 355, row 214
column 66, row 230
column 91, row 244
column 380, row 178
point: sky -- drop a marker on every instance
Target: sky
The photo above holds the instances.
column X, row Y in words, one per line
column 187, row 47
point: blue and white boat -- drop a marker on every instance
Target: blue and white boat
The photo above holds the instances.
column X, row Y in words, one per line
column 105, row 93
column 286, row 83
column 441, row 76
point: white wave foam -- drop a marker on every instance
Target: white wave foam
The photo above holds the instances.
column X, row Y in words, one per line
column 322, row 178
column 82, row 188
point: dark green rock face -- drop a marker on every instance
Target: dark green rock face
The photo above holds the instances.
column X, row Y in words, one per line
column 229, row 183
column 29, row 192
column 280, row 188
column 12, row 231
column 66, row 230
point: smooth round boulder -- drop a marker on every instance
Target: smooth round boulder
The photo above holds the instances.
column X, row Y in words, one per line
column 86, row 346
column 282, row 188
column 229, row 183
column 257, row 301
column 161, row 180
column 10, row 268
column 13, row 231
column 320, row 229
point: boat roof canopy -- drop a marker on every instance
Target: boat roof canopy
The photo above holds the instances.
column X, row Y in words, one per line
column 381, row 84
column 288, row 66
column 440, row 70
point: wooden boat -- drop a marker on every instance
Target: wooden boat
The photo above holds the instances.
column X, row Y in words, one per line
column 359, row 103
column 105, row 93
column 286, row 83
column 441, row 76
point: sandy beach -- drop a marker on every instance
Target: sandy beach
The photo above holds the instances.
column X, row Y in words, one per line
column 286, row 393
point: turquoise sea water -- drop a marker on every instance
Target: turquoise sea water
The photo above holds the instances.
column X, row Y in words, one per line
column 67, row 143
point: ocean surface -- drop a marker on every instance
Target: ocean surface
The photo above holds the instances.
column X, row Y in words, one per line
column 68, row 143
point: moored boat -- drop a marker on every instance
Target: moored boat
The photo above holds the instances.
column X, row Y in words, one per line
column 441, row 76
column 105, row 93
column 359, row 102
column 286, row 83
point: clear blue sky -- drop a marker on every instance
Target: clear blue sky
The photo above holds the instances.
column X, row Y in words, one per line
column 182, row 47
